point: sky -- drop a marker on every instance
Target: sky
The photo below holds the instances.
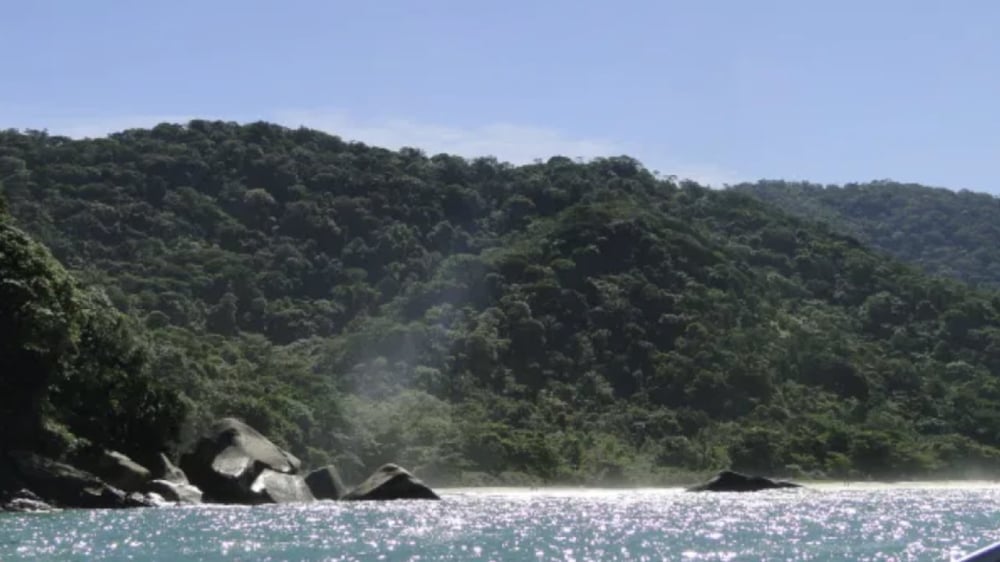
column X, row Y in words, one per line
column 717, row 91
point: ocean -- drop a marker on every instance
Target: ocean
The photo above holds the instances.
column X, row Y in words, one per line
column 898, row 522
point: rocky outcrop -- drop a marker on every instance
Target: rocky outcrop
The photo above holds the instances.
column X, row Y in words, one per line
column 114, row 468
column 231, row 463
column 325, row 483
column 293, row 461
column 175, row 492
column 60, row 484
column 730, row 481
column 227, row 464
column 391, row 482
column 278, row 487
column 163, row 469
column 23, row 500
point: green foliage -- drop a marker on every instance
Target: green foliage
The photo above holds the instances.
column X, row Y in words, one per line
column 39, row 312
column 109, row 394
column 582, row 322
column 946, row 233
column 70, row 361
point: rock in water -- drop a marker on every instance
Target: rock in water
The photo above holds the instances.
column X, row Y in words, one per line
column 114, row 468
column 175, row 492
column 730, row 481
column 26, row 505
column 392, row 482
column 325, row 483
column 23, row 500
column 228, row 460
column 136, row 499
column 277, row 487
column 64, row 485
column 163, row 469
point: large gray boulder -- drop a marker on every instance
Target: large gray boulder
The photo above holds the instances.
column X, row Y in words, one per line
column 64, row 485
column 175, row 492
column 730, row 481
column 325, row 483
column 278, row 487
column 228, row 460
column 391, row 482
column 114, row 468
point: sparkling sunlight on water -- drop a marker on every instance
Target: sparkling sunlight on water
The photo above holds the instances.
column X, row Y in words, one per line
column 830, row 523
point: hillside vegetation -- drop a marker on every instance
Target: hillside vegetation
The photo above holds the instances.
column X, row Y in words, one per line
column 483, row 322
column 947, row 233
column 73, row 369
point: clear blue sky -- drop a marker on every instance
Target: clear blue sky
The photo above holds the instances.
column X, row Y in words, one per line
column 719, row 90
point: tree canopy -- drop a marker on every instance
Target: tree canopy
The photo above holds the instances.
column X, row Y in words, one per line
column 483, row 322
column 944, row 232
column 72, row 366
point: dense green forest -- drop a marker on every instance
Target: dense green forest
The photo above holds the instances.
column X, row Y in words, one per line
column 948, row 233
column 72, row 368
column 483, row 322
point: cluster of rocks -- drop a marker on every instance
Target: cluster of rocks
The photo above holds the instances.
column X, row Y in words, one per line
column 232, row 463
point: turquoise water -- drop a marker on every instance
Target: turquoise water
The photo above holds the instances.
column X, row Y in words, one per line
column 830, row 523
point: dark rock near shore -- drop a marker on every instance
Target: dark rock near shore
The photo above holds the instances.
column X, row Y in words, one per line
column 175, row 492
column 232, row 463
column 163, row 469
column 325, row 483
column 730, row 481
column 227, row 461
column 26, row 505
column 23, row 500
column 64, row 485
column 138, row 499
column 391, row 482
column 114, row 468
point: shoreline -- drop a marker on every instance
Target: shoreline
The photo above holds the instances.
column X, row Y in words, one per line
column 807, row 485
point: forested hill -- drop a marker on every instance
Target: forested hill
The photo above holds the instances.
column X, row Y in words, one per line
column 73, row 370
column 954, row 234
column 477, row 321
